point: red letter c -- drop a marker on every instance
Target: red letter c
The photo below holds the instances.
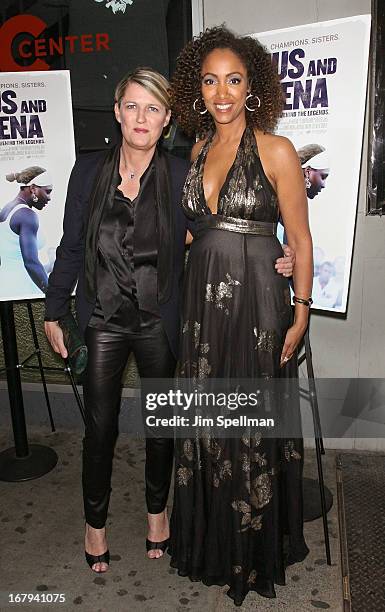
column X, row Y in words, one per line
column 8, row 31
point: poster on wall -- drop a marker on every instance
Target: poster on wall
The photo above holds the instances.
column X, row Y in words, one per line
column 323, row 70
column 37, row 153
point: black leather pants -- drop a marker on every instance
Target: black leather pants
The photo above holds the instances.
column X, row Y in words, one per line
column 108, row 352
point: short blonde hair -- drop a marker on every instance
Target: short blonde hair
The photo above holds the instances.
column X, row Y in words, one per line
column 152, row 81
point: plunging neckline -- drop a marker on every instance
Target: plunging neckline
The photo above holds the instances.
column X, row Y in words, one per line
column 205, row 151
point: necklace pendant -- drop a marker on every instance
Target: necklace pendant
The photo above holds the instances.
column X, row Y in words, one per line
column 132, row 175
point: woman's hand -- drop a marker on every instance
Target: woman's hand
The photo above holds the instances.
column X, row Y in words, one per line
column 285, row 265
column 293, row 338
column 54, row 334
column 189, row 237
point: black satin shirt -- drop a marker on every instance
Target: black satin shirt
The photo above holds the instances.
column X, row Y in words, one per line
column 127, row 260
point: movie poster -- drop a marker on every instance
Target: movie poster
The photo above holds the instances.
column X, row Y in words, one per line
column 37, row 152
column 323, row 70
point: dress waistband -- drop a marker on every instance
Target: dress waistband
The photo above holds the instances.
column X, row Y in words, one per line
column 241, row 226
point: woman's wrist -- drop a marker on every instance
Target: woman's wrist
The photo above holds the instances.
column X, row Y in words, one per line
column 301, row 317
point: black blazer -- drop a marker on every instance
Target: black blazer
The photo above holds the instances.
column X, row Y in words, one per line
column 69, row 264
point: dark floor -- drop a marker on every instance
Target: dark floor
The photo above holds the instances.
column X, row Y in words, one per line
column 42, row 545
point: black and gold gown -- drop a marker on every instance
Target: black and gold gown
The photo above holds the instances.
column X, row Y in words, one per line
column 237, row 515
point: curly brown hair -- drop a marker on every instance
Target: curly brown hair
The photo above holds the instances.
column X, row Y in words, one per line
column 262, row 75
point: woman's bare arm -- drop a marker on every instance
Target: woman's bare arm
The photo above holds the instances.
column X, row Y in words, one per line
column 293, row 205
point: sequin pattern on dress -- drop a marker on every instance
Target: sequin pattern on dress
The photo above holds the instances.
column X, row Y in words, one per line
column 220, row 294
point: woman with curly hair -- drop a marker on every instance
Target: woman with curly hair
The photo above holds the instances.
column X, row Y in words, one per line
column 235, row 499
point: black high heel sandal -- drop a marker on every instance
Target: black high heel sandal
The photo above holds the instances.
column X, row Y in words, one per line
column 157, row 546
column 92, row 559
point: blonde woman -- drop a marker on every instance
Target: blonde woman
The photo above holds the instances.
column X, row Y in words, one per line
column 123, row 241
